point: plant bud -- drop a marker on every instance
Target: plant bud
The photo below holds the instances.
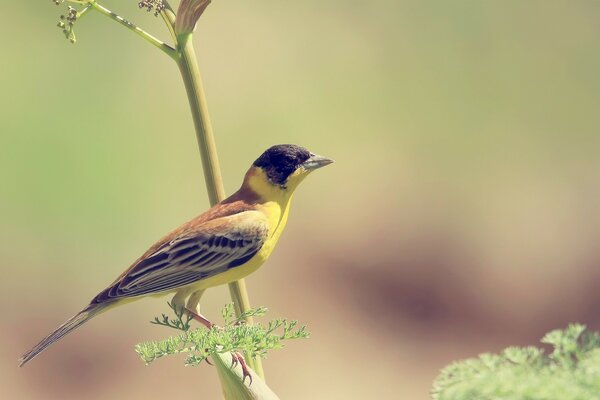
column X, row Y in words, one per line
column 188, row 14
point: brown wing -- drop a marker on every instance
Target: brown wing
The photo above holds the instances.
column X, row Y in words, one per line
column 205, row 251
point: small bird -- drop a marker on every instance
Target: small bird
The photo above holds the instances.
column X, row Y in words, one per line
column 224, row 244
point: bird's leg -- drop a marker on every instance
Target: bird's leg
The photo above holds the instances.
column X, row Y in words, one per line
column 238, row 358
column 200, row 318
column 193, row 308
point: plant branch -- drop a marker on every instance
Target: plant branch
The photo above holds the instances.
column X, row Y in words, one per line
column 84, row 10
column 233, row 382
column 188, row 66
column 170, row 51
column 206, row 142
column 168, row 15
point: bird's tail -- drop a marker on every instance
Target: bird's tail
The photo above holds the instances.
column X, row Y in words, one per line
column 72, row 323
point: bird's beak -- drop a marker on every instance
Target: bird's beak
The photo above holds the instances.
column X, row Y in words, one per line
column 315, row 161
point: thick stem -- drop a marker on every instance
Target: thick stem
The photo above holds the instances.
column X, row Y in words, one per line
column 188, row 66
column 206, row 142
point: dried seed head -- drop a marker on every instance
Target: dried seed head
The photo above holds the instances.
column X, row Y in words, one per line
column 72, row 17
column 67, row 22
column 149, row 5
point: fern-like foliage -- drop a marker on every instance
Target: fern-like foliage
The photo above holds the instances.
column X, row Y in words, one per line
column 570, row 372
column 180, row 322
column 235, row 335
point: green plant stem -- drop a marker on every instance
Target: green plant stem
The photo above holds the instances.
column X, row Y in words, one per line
column 190, row 73
column 84, row 10
column 168, row 16
column 170, row 51
column 234, row 387
column 188, row 66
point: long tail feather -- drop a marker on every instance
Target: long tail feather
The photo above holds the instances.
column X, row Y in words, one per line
column 72, row 323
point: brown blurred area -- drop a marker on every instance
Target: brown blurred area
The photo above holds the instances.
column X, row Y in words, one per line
column 461, row 216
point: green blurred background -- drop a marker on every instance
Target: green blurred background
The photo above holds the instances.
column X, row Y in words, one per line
column 462, row 214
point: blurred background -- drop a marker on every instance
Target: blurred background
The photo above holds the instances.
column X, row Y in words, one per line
column 462, row 214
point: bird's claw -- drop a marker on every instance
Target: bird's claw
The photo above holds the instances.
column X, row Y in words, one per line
column 237, row 358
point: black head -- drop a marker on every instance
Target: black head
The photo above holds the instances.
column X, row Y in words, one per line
column 280, row 161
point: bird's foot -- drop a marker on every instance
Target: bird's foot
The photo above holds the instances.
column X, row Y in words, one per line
column 237, row 358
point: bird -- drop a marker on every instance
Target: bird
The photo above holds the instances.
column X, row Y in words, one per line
column 224, row 244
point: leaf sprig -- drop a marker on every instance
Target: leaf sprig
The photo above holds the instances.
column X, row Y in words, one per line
column 235, row 335
column 180, row 322
column 570, row 372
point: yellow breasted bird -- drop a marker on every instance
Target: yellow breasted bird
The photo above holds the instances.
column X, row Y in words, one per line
column 224, row 244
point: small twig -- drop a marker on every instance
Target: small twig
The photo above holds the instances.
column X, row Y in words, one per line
column 168, row 16
column 170, row 51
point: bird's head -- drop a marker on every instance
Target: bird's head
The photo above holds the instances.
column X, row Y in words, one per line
column 281, row 168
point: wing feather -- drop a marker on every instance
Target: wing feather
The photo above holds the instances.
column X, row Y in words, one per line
column 191, row 256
